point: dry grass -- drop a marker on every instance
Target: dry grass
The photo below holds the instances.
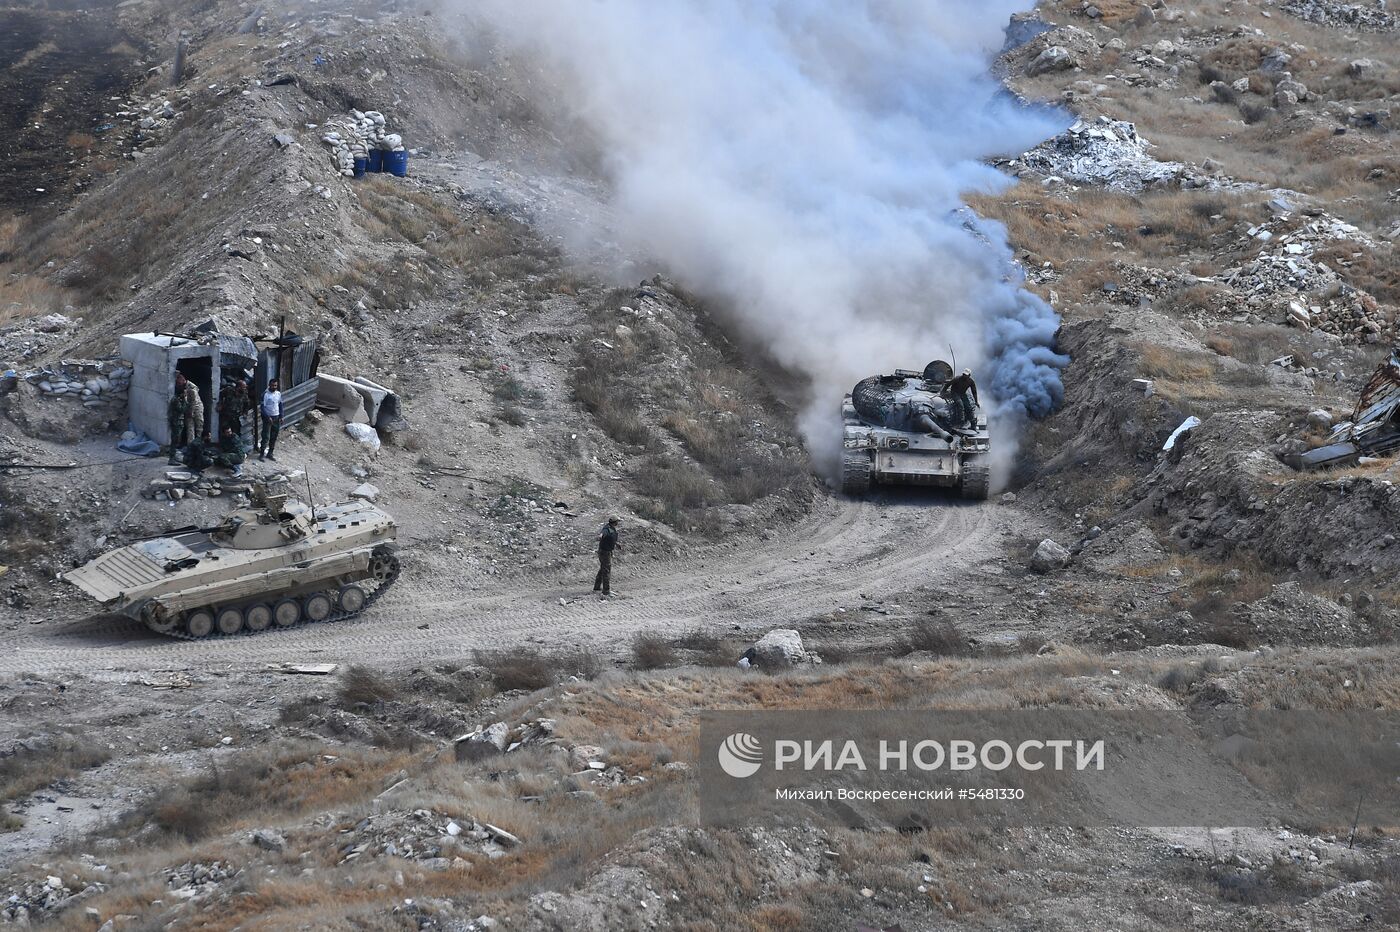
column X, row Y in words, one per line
column 940, row 638
column 24, row 772
column 531, row 669
column 651, row 651
column 259, row 785
column 361, row 686
column 1190, row 373
column 644, row 722
column 1087, row 233
column 1374, row 271
column 702, row 437
column 483, row 245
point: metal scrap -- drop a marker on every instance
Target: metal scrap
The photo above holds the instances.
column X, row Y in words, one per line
column 1374, row 428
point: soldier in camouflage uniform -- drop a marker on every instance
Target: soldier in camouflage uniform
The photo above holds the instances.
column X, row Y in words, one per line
column 185, row 415
column 233, row 404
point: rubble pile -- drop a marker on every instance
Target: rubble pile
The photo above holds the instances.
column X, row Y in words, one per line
column 26, row 339
column 189, row 877
column 1106, row 152
column 94, row 383
column 35, row 897
column 179, row 484
column 1285, row 281
column 1370, row 15
column 151, row 119
column 1371, row 432
column 353, row 137
column 432, row 839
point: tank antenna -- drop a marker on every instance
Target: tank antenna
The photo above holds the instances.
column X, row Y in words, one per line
column 310, row 497
column 954, row 353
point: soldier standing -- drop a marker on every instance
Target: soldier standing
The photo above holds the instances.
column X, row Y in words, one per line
column 271, row 419
column 185, row 415
column 962, row 391
column 233, row 404
column 607, row 543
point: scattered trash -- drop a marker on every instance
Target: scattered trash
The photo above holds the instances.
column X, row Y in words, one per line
column 309, row 669
column 173, row 680
column 1188, row 425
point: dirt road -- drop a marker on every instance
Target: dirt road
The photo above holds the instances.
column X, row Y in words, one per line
column 829, row 560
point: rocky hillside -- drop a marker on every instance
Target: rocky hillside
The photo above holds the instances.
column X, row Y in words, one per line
column 493, row 747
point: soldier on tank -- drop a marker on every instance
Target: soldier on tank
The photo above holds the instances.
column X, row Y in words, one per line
column 962, row 391
column 185, row 415
column 607, row 543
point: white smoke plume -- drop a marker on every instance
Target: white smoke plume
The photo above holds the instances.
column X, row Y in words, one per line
column 800, row 162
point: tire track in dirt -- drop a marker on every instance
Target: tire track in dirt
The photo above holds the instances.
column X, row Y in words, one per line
column 828, row 560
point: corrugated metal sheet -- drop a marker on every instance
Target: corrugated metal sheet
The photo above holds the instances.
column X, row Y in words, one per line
column 296, row 402
column 292, row 365
column 304, row 362
column 1381, row 396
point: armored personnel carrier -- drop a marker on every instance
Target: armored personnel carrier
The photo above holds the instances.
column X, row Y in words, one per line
column 901, row 430
column 274, row 564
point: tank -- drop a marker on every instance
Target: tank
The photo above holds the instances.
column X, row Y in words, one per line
column 273, row 564
column 900, row 429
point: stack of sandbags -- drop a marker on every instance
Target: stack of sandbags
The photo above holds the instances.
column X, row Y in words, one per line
column 353, row 137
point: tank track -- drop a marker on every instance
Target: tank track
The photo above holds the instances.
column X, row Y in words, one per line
column 380, row 587
column 976, row 482
column 855, row 473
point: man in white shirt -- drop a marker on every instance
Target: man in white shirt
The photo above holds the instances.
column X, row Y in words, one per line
column 271, row 419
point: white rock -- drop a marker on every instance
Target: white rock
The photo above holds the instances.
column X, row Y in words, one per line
column 365, row 491
column 1320, row 419
column 1049, row 556
column 781, row 647
column 1054, row 58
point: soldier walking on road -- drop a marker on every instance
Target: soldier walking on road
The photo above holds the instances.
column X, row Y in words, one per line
column 185, row 415
column 607, row 543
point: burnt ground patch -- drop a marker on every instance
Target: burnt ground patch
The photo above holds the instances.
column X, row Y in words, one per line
column 64, row 66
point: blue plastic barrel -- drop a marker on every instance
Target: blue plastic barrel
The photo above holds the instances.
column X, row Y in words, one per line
column 360, row 166
column 376, row 161
column 396, row 163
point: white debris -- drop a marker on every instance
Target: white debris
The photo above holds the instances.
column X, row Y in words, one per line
column 1109, row 153
column 1190, row 424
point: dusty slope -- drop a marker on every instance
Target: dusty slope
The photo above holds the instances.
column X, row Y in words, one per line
column 1182, row 555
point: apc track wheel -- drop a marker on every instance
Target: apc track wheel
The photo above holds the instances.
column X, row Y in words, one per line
column 229, row 621
column 351, row 599
column 199, row 623
column 286, row 613
column 318, row 607
column 258, row 617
